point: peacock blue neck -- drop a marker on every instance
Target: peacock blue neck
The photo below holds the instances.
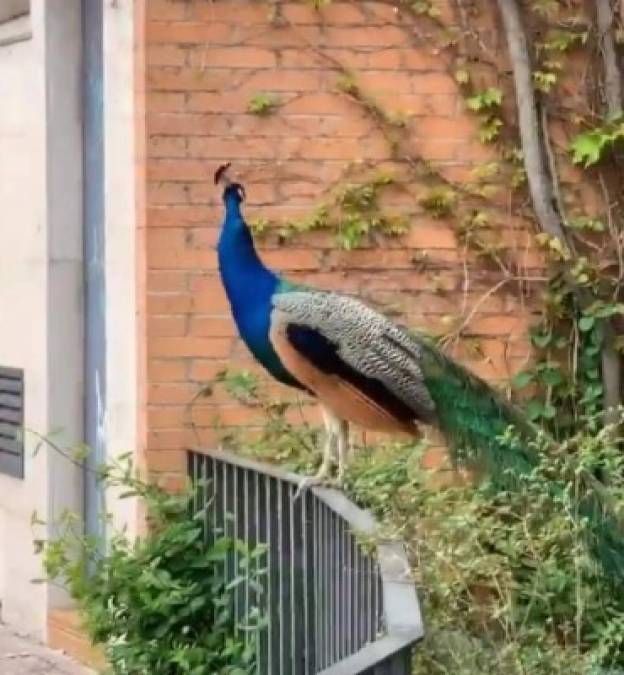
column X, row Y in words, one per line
column 249, row 286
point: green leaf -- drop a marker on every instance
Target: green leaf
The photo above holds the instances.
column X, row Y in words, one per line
column 522, row 379
column 586, row 323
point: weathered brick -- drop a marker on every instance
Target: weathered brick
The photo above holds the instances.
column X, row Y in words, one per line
column 166, row 10
column 206, row 326
column 166, row 193
column 366, row 36
column 166, row 146
column 186, row 259
column 166, row 55
column 166, row 451
column 158, row 102
column 186, row 32
column 167, row 326
column 159, row 370
column 243, row 13
column 178, row 215
column 168, row 78
column 237, row 56
column 189, row 346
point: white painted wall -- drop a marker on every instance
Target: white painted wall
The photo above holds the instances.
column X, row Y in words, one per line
column 40, row 286
column 41, row 316
column 120, row 169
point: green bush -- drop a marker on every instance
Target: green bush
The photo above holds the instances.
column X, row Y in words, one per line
column 161, row 604
column 507, row 580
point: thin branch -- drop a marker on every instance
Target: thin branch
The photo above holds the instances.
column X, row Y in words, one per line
column 538, row 176
column 612, row 77
column 610, row 359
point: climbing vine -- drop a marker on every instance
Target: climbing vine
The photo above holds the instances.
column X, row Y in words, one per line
column 540, row 141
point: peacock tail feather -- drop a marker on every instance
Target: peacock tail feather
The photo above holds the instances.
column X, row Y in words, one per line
column 475, row 419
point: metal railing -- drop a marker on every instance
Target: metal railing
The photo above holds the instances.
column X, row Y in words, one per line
column 332, row 607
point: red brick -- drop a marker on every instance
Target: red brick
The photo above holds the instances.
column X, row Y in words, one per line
column 366, row 36
column 169, row 439
column 277, row 37
column 164, row 32
column 498, row 325
column 166, row 146
column 166, row 371
column 167, row 417
column 166, row 326
column 322, row 103
column 334, row 148
column 166, row 193
column 386, row 58
column 286, row 80
column 380, row 81
column 180, row 215
column 169, row 303
column 205, row 370
column 172, row 282
column 440, row 105
column 178, row 170
column 202, row 193
column 225, row 102
column 419, row 59
column 166, row 78
column 171, row 394
column 291, row 259
column 166, row 55
column 163, row 102
column 456, row 128
column 216, row 148
column 181, row 259
column 209, row 326
column 166, row 238
column 237, row 56
column 433, row 83
column 233, row 415
column 166, row 10
column 240, row 13
column 189, row 346
column 160, row 458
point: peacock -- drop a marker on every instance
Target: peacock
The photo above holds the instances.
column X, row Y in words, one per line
column 364, row 369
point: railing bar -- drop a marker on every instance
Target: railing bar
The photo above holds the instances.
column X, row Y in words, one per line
column 235, row 571
column 346, row 592
column 206, row 464
column 295, row 595
column 306, row 583
column 332, row 590
column 380, row 605
column 369, row 590
column 338, row 524
column 260, row 600
column 267, row 481
column 280, row 562
column 318, row 575
column 326, row 583
column 247, row 570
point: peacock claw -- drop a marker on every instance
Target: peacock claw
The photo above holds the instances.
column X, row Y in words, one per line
column 308, row 482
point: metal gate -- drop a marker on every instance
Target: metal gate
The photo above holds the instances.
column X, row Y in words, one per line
column 334, row 605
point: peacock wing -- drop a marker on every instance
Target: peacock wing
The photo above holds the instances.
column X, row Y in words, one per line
column 342, row 337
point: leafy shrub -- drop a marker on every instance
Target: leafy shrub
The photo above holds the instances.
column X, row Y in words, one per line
column 160, row 604
column 508, row 582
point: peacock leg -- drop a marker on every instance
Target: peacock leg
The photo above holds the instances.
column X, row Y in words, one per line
column 331, row 437
column 343, row 448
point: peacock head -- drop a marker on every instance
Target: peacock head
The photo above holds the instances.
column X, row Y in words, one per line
column 232, row 191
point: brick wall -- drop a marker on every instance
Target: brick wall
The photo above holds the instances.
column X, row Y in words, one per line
column 205, row 61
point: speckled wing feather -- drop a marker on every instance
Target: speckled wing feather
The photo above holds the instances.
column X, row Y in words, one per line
column 318, row 322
